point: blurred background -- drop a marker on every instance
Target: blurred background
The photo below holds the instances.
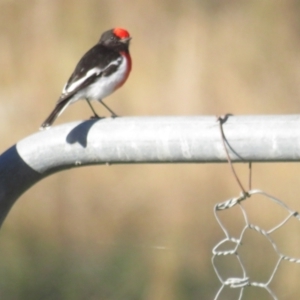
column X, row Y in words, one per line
column 147, row 231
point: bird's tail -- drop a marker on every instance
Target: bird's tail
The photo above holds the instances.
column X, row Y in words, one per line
column 59, row 108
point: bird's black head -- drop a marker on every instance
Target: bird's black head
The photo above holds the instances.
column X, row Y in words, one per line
column 117, row 39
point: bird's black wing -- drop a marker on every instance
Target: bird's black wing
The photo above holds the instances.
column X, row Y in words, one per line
column 98, row 61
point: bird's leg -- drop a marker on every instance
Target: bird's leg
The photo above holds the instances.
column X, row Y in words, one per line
column 95, row 116
column 113, row 115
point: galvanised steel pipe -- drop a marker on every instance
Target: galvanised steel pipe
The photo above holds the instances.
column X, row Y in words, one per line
column 193, row 139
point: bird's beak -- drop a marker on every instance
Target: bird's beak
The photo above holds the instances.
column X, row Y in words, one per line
column 126, row 40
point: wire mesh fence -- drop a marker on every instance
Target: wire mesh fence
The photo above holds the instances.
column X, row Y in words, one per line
column 239, row 278
column 243, row 280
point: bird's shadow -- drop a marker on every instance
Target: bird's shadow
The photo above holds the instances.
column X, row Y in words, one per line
column 80, row 132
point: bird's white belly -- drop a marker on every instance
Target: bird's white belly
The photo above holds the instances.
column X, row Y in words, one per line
column 103, row 86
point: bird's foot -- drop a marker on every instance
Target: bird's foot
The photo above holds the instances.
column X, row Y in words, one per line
column 96, row 117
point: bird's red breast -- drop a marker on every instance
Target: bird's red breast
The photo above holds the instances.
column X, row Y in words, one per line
column 126, row 56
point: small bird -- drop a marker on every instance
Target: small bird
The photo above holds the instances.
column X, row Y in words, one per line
column 102, row 70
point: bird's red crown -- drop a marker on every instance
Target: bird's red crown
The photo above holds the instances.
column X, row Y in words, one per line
column 121, row 33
